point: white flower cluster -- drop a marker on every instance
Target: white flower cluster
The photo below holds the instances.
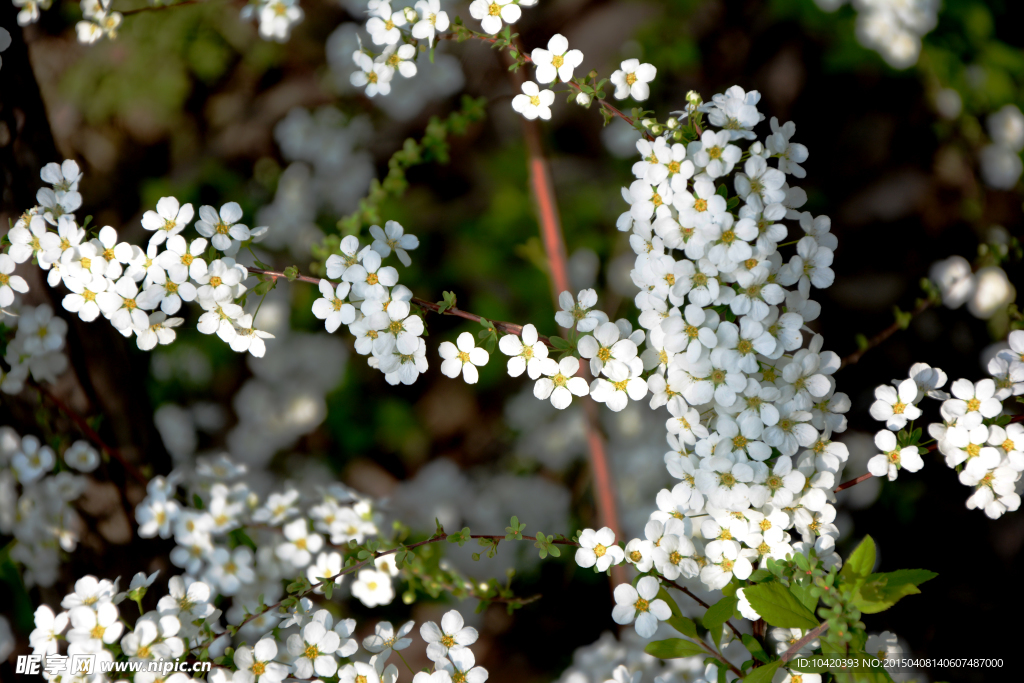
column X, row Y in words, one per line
column 35, row 502
column 751, row 408
column 37, row 347
column 293, row 535
column 1001, row 165
column 384, row 326
column 893, row 28
column 138, row 290
column 988, row 452
column 306, row 644
column 98, row 21
column 985, row 292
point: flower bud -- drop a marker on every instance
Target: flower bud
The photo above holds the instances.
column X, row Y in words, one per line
column 694, row 99
column 410, row 15
column 583, row 99
column 672, row 123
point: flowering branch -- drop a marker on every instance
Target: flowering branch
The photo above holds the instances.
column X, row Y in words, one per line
column 462, row 33
column 684, row 589
column 374, row 556
column 507, row 328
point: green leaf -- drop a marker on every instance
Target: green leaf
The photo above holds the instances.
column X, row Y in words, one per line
column 291, row 272
column 763, row 674
column 754, row 648
column 459, row 537
column 328, row 586
column 778, row 606
column 861, row 561
column 674, row 648
column 804, row 595
column 265, row 286
column 448, row 302
column 720, row 612
column 879, row 592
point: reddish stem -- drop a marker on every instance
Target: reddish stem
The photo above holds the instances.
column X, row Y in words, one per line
column 91, row 434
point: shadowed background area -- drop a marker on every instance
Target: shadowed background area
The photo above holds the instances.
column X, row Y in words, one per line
column 190, row 102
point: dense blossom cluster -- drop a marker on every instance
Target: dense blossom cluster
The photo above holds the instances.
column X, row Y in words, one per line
column 36, row 501
column 307, row 643
column 138, row 291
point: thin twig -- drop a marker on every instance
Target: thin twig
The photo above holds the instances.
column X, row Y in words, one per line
column 811, row 635
column 507, row 328
column 154, row 8
column 90, row 433
column 884, row 334
column 612, row 109
column 700, row 602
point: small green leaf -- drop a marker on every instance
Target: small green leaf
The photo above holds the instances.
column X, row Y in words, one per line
column 674, row 648
column 861, row 561
column 719, row 613
column 754, row 648
column 763, row 674
column 778, row 606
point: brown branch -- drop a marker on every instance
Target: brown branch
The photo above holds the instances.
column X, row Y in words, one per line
column 811, row 635
column 884, row 334
column 700, row 602
column 90, row 433
column 507, row 328
column 154, row 8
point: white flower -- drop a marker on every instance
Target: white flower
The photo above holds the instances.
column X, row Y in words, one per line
column 598, row 549
column 561, row 382
column 558, row 61
column 220, row 281
column 48, row 626
column 368, row 278
column 724, row 561
column 401, row 367
column 257, row 665
column 327, row 564
column 30, row 241
column 432, row 20
column 641, row 604
column 632, row 78
column 358, row 672
column 124, row 305
column 82, row 457
column 604, row 348
column 159, row 331
column 373, row 588
column 461, row 665
column 277, row 18
column 465, row 358
column 973, row 401
column 92, row 629
column 230, row 569
column 337, row 264
column 527, row 352
column 385, row 639
column 393, row 237
column 623, row 383
column 332, row 307
column 453, row 633
column 182, row 260
column 896, row 405
column 892, row 459
column 9, row 284
column 32, row 460
column 223, row 229
column 314, row 650
column 383, row 24
column 376, row 76
column 490, row 13
column 65, row 176
column 188, row 601
column 301, row 543
column 533, row 101
column 884, row 646
column 579, row 314
column 168, row 220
